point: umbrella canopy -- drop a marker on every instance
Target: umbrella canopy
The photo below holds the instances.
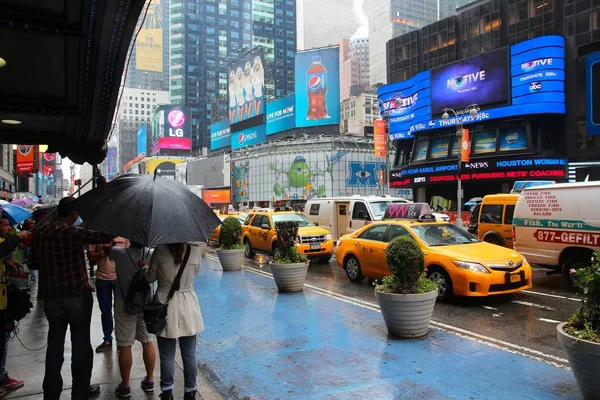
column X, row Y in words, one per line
column 23, row 202
column 148, row 210
column 475, row 200
column 15, row 214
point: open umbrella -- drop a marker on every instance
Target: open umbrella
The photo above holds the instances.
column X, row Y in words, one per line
column 147, row 209
column 15, row 214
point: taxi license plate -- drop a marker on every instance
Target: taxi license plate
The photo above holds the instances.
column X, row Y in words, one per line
column 315, row 246
column 515, row 278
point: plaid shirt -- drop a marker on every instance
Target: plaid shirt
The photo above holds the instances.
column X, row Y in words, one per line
column 57, row 251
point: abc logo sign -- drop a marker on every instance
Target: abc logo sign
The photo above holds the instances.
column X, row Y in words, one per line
column 535, row 87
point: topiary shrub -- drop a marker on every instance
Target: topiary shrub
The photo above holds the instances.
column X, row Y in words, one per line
column 407, row 263
column 286, row 252
column 231, row 234
column 585, row 323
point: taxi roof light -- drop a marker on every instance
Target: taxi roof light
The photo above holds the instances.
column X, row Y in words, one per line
column 409, row 211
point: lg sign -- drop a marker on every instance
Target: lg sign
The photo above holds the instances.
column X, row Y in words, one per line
column 176, row 120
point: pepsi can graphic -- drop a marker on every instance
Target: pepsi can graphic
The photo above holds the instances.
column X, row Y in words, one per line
column 316, row 90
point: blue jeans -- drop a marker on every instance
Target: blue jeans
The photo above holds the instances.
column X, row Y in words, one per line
column 166, row 349
column 104, row 292
column 74, row 312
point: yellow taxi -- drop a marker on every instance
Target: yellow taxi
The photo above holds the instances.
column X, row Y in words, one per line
column 258, row 233
column 459, row 262
column 216, row 234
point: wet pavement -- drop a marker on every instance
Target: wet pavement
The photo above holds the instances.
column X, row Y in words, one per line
column 320, row 344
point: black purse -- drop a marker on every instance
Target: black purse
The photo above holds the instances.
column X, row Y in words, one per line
column 155, row 313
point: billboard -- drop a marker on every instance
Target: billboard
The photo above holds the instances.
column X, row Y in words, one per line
column 149, row 42
column 380, row 145
column 142, row 140
column 246, row 88
column 25, row 159
column 480, row 80
column 318, row 87
column 171, row 129
column 248, row 137
column 112, row 163
column 220, row 135
column 48, row 163
column 281, row 115
column 537, row 75
column 217, row 196
column 592, row 93
column 164, row 168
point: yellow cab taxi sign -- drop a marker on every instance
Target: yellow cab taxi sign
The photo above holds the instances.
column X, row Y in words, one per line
column 410, row 211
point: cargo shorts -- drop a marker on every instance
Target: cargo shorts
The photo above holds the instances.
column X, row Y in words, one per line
column 129, row 328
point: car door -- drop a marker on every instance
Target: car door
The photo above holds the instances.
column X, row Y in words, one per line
column 370, row 247
column 254, row 231
column 490, row 219
column 360, row 216
column 509, row 212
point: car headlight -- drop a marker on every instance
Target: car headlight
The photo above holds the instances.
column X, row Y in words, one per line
column 328, row 237
column 471, row 266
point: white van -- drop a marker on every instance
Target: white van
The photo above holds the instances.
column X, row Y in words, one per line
column 342, row 215
column 558, row 226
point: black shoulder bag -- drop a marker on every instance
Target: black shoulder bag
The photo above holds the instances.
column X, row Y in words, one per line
column 155, row 313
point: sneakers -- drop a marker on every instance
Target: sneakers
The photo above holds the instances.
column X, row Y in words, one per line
column 148, row 386
column 9, row 383
column 123, row 391
column 166, row 395
column 189, row 395
column 103, row 347
column 3, row 392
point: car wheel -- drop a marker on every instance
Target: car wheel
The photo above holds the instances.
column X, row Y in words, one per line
column 493, row 240
column 352, row 267
column 575, row 262
column 324, row 260
column 249, row 251
column 439, row 275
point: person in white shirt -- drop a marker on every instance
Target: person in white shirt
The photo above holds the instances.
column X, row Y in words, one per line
column 232, row 100
column 258, row 80
column 248, row 85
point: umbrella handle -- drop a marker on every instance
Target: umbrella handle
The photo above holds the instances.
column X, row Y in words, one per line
column 155, row 171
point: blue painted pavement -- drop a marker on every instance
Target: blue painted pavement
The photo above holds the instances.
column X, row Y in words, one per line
column 266, row 345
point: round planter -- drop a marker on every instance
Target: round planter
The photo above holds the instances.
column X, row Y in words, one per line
column 289, row 277
column 203, row 247
column 231, row 260
column 584, row 358
column 407, row 315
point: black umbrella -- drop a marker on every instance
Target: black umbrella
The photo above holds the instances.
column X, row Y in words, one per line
column 148, row 210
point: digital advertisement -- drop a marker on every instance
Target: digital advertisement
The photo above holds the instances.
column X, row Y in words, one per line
column 220, row 135
column 217, row 196
column 246, row 87
column 142, row 140
column 248, row 137
column 171, row 129
column 439, row 147
column 318, row 87
column 536, row 76
column 592, row 97
column 48, row 163
column 379, row 138
column 25, row 159
column 112, row 163
column 280, row 115
column 512, row 139
column 149, row 42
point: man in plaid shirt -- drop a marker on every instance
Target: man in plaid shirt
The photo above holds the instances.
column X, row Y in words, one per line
column 58, row 252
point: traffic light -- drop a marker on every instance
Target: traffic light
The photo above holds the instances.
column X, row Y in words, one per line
column 237, row 183
column 77, row 182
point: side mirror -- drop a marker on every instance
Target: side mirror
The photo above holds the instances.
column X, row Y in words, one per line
column 316, row 224
column 265, row 226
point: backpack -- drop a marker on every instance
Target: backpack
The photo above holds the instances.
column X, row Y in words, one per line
column 138, row 295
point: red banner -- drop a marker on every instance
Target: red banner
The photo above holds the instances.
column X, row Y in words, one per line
column 465, row 146
column 217, row 196
column 25, row 159
column 380, row 138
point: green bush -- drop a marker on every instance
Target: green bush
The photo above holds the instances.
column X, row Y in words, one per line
column 407, row 263
column 231, row 234
column 286, row 251
column 585, row 323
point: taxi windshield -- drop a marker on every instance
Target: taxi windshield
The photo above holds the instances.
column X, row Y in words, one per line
column 442, row 235
column 300, row 218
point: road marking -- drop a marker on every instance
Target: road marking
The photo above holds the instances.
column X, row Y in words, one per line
column 551, row 321
column 492, row 342
column 551, row 295
column 490, row 308
column 526, row 303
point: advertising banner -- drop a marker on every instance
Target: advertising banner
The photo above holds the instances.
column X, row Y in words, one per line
column 149, row 42
column 171, row 129
column 280, row 115
column 112, row 163
column 220, row 135
column 536, row 79
column 142, row 140
column 217, row 196
column 246, row 87
column 318, row 87
column 592, row 93
column 48, row 163
column 465, row 148
column 379, row 138
column 480, row 80
column 25, row 159
column 248, row 137
column 164, row 168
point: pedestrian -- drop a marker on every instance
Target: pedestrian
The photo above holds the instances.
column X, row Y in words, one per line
column 106, row 283
column 131, row 327
column 184, row 319
column 58, row 252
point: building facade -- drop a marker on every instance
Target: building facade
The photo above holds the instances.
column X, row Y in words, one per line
column 323, row 23
column 357, row 115
column 527, row 138
column 206, row 36
column 392, row 18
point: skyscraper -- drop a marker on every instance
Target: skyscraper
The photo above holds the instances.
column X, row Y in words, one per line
column 322, row 23
column 389, row 19
column 207, row 35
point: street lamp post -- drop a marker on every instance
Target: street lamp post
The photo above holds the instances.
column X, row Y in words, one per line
column 459, row 132
column 380, row 109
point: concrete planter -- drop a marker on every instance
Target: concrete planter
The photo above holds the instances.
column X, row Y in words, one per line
column 406, row 315
column 584, row 358
column 231, row 260
column 203, row 247
column 289, row 277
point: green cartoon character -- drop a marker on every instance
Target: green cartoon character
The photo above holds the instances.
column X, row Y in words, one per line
column 299, row 178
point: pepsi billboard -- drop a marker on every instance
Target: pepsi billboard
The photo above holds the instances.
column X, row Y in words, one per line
column 248, row 137
column 171, row 129
column 280, row 115
column 142, row 140
column 220, row 135
column 317, row 87
column 537, row 75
